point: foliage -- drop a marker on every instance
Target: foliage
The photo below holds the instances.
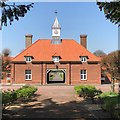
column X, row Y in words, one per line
column 51, row 76
column 25, row 92
column 111, row 11
column 78, row 89
column 61, row 75
column 86, row 91
column 11, row 12
column 111, row 62
column 99, row 53
column 10, row 96
column 5, row 60
column 107, row 94
column 5, row 63
column 111, row 102
column 6, row 52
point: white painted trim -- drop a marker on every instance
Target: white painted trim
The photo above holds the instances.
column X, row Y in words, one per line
column 83, row 74
column 28, row 74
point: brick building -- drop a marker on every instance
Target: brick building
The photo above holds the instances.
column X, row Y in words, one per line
column 56, row 60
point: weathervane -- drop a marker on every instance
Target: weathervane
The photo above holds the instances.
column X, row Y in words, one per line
column 56, row 12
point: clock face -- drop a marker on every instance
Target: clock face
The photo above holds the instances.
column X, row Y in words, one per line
column 55, row 32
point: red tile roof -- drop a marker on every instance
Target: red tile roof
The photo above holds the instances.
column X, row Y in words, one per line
column 68, row 50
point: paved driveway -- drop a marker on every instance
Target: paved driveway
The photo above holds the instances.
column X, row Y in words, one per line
column 56, row 102
column 52, row 102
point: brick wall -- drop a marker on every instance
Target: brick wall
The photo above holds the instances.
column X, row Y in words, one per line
column 93, row 73
column 72, row 76
column 19, row 75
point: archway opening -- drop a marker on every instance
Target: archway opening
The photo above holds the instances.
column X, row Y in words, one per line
column 56, row 76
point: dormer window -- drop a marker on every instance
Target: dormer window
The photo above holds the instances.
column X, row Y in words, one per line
column 83, row 59
column 55, row 58
column 28, row 58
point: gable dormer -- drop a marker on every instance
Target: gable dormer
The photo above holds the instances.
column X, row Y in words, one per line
column 83, row 58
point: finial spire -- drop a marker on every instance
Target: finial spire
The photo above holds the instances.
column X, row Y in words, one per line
column 56, row 23
column 56, row 12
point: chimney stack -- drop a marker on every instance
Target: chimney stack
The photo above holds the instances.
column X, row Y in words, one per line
column 28, row 40
column 83, row 40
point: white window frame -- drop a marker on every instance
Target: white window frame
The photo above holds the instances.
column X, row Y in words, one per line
column 83, row 74
column 83, row 59
column 55, row 58
column 28, row 76
column 103, row 78
column 28, row 58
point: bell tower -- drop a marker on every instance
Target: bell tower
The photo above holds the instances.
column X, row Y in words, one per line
column 56, row 31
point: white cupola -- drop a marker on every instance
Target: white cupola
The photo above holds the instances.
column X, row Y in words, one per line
column 56, row 32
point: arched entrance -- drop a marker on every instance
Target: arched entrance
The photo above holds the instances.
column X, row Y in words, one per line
column 56, row 76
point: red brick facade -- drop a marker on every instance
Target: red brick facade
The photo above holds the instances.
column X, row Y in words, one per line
column 72, row 73
column 69, row 54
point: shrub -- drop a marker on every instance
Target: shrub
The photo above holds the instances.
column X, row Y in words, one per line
column 107, row 94
column 110, row 102
column 78, row 89
column 9, row 96
column 26, row 92
column 86, row 91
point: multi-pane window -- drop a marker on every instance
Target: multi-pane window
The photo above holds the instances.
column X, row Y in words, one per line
column 28, row 75
column 55, row 58
column 28, row 58
column 83, row 59
column 83, row 74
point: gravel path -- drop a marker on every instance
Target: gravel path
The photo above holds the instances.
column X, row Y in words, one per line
column 57, row 102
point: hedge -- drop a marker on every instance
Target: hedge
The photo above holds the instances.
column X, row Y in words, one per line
column 111, row 103
column 10, row 96
column 86, row 91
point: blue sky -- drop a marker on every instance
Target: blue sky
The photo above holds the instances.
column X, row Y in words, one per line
column 75, row 18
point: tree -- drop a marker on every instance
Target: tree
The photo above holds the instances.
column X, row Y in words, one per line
column 6, row 52
column 6, row 59
column 111, row 10
column 13, row 11
column 99, row 53
column 111, row 62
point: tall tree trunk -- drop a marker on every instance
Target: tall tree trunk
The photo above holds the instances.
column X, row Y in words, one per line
column 113, row 85
column 119, row 87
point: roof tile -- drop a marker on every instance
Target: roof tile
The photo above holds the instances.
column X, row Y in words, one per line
column 43, row 50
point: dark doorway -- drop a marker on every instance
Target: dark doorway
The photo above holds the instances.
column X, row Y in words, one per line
column 56, row 76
